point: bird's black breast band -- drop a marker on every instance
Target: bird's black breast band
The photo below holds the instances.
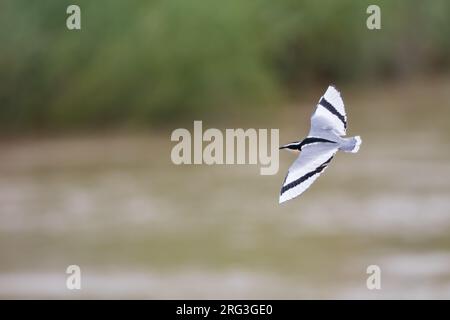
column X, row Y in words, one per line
column 310, row 140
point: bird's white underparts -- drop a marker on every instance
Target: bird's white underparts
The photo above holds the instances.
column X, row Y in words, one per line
column 236, row 146
column 325, row 138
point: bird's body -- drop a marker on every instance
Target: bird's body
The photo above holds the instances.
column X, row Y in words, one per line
column 325, row 138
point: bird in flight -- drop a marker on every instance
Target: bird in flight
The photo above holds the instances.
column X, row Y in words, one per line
column 325, row 138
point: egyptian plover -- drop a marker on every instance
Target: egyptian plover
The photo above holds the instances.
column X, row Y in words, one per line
column 325, row 138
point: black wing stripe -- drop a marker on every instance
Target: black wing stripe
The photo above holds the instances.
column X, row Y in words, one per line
column 324, row 103
column 305, row 177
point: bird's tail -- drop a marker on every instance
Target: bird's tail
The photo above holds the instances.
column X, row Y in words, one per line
column 351, row 144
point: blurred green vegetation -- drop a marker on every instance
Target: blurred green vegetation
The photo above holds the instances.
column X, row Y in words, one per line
column 152, row 62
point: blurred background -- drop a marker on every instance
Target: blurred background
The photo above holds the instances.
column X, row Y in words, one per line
column 85, row 170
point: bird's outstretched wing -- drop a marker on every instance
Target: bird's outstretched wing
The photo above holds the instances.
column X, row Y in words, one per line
column 311, row 162
column 329, row 115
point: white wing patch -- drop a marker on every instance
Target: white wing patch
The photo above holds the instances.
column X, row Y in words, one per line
column 330, row 114
column 311, row 162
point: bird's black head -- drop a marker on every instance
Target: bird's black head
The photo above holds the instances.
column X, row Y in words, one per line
column 296, row 146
